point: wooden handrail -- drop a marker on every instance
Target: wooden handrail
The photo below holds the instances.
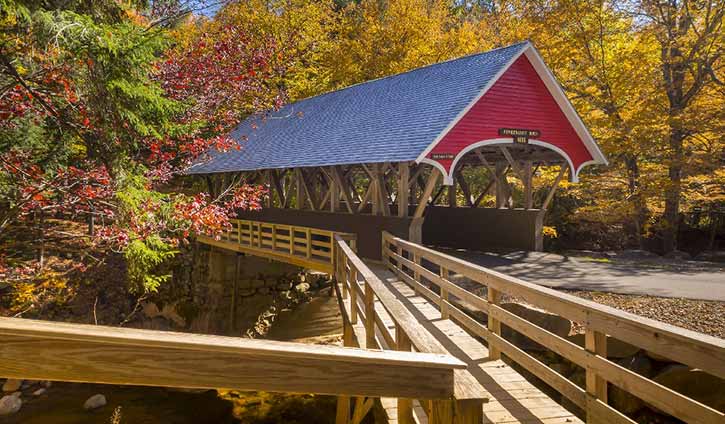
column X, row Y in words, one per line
column 351, row 271
column 42, row 350
column 303, row 246
column 688, row 347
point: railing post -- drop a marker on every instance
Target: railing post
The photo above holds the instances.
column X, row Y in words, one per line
column 239, row 232
column 308, row 236
column 445, row 274
column 342, row 415
column 405, row 406
column 259, row 235
column 274, row 237
column 596, row 386
column 416, row 274
column 343, row 274
column 494, row 325
column 292, row 240
column 370, row 342
column 353, row 295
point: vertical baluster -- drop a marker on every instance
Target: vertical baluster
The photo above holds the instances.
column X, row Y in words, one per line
column 370, row 342
column 353, row 295
column 405, row 406
column 292, row 240
column 274, row 237
column 596, row 386
column 308, row 235
column 445, row 274
column 494, row 325
column 416, row 274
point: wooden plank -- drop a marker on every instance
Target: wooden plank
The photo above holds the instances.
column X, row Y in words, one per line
column 599, row 412
column 41, row 350
column 596, row 343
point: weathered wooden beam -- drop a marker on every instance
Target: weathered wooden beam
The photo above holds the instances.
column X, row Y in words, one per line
column 344, row 188
column 41, row 350
column 309, row 190
column 277, row 186
column 299, row 185
column 552, row 190
column 403, row 188
column 528, row 185
column 427, row 191
column 514, row 165
column 502, row 192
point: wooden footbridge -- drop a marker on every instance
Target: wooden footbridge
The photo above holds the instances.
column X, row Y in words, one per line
column 465, row 154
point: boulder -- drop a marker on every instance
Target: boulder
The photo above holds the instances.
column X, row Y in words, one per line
column 12, row 385
column 711, row 256
column 10, row 404
column 94, row 402
column 622, row 400
column 40, row 392
column 695, row 384
column 548, row 321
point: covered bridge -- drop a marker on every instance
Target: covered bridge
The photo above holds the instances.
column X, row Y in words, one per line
column 389, row 154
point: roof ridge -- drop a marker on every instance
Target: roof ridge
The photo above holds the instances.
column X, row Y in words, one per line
column 520, row 43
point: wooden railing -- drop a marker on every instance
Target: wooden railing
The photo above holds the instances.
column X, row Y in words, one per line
column 42, row 350
column 428, row 271
column 374, row 305
column 303, row 246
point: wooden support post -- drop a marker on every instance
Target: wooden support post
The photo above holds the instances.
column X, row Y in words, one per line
column 292, row 240
column 300, row 200
column 445, row 274
column 416, row 274
column 308, row 243
column 403, row 188
column 274, row 237
column 501, row 189
column 550, row 195
column 596, row 343
column 468, row 411
column 528, row 185
column 441, row 412
column 427, row 191
column 353, row 295
column 342, row 415
column 334, row 192
column 494, row 325
column 405, row 406
column 452, row 200
column 370, row 342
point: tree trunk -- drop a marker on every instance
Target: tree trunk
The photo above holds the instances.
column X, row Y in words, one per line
column 635, row 196
column 673, row 192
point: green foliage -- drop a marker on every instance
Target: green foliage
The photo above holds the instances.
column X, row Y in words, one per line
column 144, row 257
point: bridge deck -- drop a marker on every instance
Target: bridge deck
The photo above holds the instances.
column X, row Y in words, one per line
column 512, row 399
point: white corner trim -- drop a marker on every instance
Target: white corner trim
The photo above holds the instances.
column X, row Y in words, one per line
column 527, row 46
column 574, row 175
column 565, row 105
column 587, row 163
column 440, row 167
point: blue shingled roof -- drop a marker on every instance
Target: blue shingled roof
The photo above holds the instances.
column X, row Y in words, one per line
column 392, row 119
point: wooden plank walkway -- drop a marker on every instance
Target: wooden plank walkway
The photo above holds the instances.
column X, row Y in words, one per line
column 512, row 399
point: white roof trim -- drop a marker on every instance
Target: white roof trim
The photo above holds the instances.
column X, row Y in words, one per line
column 554, row 89
column 475, row 100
